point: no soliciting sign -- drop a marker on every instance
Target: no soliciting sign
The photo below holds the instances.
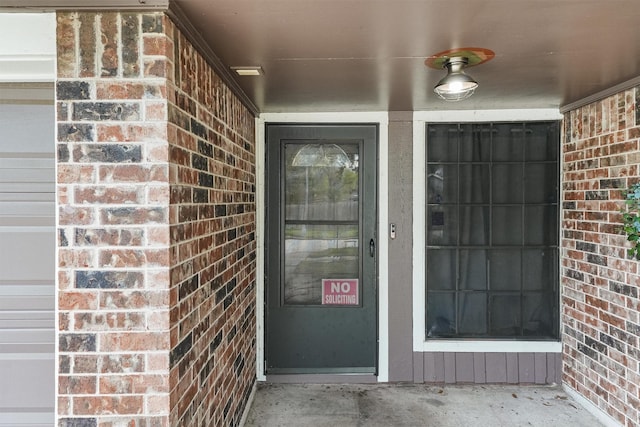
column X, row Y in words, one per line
column 340, row 292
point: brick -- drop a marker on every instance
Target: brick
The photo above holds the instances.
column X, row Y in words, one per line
column 108, row 405
column 109, row 236
column 152, row 23
column 76, row 90
column 586, row 247
column 130, row 30
column 113, row 153
column 109, row 321
column 596, row 259
column 87, row 40
column 66, row 45
column 77, row 301
column 611, row 159
column 620, row 288
column 77, row 342
column 144, row 155
column 77, row 422
column 121, row 258
column 109, row 61
column 111, row 133
column 134, row 341
column 75, row 132
column 158, row 236
column 157, row 404
column 122, row 364
column 77, row 384
column 85, row 364
column 112, row 90
column 106, row 111
column 64, row 364
column 179, row 351
column 157, row 153
column 133, row 299
column 68, row 257
column 155, row 67
column 108, row 279
column 76, row 174
column 155, row 45
column 133, row 216
column 155, row 111
column 109, row 195
column 120, row 384
column 125, row 173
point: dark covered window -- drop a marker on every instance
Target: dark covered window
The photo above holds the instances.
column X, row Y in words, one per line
column 492, row 230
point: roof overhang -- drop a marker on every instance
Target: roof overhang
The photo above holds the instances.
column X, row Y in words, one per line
column 41, row 5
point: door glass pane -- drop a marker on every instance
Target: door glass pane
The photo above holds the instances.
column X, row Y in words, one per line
column 507, row 142
column 441, row 269
column 441, row 319
column 474, row 225
column 316, row 252
column 506, row 183
column 321, row 181
column 505, row 270
column 507, row 226
column 475, row 143
column 540, row 183
column 541, row 141
column 542, row 225
column 539, row 269
column 538, row 318
column 442, row 225
column 473, row 269
column 442, row 143
column 442, row 182
column 474, row 183
column 505, row 315
column 472, row 312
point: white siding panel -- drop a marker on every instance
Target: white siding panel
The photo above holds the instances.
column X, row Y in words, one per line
column 27, row 319
column 19, row 371
column 24, row 128
column 27, row 255
column 27, row 46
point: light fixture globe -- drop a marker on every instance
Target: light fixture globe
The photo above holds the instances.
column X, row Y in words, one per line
column 456, row 85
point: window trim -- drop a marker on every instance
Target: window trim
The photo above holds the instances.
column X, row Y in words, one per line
column 420, row 344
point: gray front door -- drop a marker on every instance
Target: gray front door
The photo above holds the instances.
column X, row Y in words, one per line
column 321, row 249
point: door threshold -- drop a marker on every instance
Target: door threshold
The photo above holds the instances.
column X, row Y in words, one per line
column 347, row 378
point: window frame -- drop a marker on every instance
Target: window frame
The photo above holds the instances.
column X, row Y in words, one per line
column 420, row 343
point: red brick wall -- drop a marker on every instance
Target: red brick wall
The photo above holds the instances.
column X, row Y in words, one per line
column 156, row 254
column 212, row 175
column 600, row 283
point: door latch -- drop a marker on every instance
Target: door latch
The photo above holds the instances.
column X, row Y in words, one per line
column 372, row 248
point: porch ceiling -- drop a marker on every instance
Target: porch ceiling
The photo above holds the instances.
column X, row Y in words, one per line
column 357, row 55
column 364, row 55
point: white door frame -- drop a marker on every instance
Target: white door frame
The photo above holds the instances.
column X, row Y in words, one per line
column 382, row 119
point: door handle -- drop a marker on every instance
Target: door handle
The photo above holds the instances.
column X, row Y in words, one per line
column 372, row 248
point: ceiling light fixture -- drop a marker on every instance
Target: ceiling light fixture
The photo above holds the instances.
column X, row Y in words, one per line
column 248, row 71
column 457, row 85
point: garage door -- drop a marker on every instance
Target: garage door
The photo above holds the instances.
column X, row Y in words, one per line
column 27, row 254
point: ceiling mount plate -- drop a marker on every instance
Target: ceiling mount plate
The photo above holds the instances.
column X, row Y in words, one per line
column 474, row 55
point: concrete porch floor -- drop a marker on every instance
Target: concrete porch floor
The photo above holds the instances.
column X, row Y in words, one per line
column 415, row 405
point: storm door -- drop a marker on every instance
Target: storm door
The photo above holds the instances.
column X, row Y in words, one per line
column 321, row 249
